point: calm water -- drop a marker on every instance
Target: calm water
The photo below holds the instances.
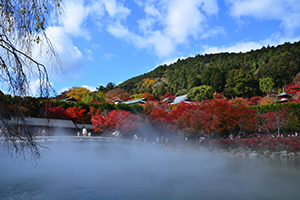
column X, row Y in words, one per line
column 94, row 170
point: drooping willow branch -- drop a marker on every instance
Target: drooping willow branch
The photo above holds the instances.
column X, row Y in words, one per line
column 23, row 29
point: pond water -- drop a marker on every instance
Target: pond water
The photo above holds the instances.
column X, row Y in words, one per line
column 95, row 170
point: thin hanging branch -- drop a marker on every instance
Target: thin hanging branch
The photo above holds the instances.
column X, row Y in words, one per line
column 22, row 29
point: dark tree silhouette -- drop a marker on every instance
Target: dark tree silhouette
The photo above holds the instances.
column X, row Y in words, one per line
column 22, row 29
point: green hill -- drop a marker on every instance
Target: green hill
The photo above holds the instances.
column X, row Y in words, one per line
column 233, row 74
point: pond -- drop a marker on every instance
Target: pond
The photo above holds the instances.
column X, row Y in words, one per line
column 98, row 170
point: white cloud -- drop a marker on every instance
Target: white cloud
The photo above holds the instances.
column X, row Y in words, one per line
column 74, row 20
column 246, row 46
column 168, row 24
column 88, row 52
column 237, row 47
column 183, row 19
column 109, row 56
column 74, row 15
column 119, row 31
column 71, row 57
column 91, row 88
column 34, row 86
column 115, row 9
column 286, row 11
column 63, row 89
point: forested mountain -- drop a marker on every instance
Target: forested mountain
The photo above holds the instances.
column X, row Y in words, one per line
column 233, row 74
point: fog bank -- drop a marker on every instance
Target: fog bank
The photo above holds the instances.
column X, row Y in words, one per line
column 95, row 170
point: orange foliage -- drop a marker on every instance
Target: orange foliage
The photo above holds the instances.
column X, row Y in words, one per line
column 240, row 101
column 148, row 82
column 117, row 93
column 266, row 100
column 77, row 92
column 148, row 96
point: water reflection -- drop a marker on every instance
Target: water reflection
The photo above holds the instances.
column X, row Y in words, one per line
column 93, row 170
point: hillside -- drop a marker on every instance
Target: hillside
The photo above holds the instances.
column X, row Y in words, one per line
column 233, row 74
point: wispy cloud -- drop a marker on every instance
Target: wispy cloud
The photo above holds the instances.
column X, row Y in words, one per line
column 245, row 46
column 34, row 86
column 285, row 11
column 168, row 24
column 91, row 88
column 109, row 56
column 71, row 57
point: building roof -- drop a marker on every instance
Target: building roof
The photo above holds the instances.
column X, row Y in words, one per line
column 136, row 101
column 283, row 94
column 87, row 126
column 118, row 100
column 168, row 100
column 71, row 99
column 179, row 99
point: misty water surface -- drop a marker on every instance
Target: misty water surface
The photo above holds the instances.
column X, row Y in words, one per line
column 95, row 170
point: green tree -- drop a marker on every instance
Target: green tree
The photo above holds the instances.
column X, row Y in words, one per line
column 229, row 91
column 217, row 80
column 266, row 84
column 100, row 97
column 110, row 86
column 87, row 97
column 161, row 90
column 136, row 96
column 200, row 93
column 245, row 83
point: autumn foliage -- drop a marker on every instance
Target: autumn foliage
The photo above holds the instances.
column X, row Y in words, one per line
column 275, row 120
column 117, row 93
column 148, row 96
column 210, row 116
column 255, row 100
column 57, row 113
column 122, row 121
column 74, row 113
column 48, row 111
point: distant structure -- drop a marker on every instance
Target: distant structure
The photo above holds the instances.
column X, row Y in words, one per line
column 52, row 127
column 177, row 100
column 116, row 101
column 283, row 98
column 136, row 101
column 71, row 99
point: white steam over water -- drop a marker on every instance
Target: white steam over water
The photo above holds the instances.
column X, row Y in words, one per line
column 97, row 170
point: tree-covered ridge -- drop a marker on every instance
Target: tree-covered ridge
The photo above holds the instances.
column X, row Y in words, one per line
column 233, row 74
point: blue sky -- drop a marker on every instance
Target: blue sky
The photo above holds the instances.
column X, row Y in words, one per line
column 103, row 41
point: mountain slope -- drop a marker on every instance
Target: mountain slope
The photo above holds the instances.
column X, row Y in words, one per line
column 233, row 74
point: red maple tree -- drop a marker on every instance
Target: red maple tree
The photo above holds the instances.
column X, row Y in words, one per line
column 275, row 120
column 119, row 120
column 245, row 118
column 48, row 111
column 57, row 113
column 74, row 113
column 292, row 89
column 148, row 96
column 254, row 101
column 170, row 96
column 192, row 119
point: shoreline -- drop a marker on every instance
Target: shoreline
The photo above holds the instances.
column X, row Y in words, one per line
column 240, row 151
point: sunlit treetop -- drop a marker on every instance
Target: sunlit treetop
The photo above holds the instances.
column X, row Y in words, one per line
column 28, row 16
